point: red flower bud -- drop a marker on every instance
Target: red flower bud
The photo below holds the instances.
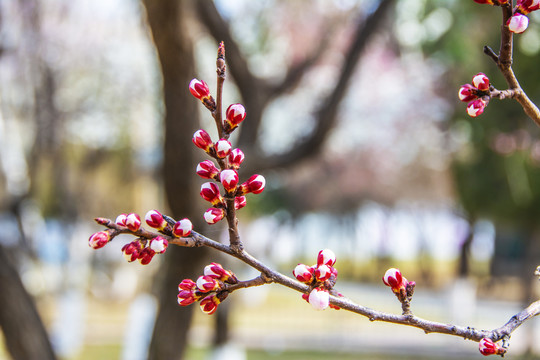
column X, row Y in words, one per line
column 202, row 140
column 476, row 107
column 131, row 250
column 235, row 114
column 187, row 284
column 236, row 157
column 154, row 219
column 214, row 215
column 146, row 255
column 99, row 239
column 186, row 297
column 223, row 148
column 217, row 271
column 182, row 228
column 326, row 257
column 133, row 222
column 210, row 192
column 481, row 82
column 159, row 244
column 207, row 283
column 303, row 273
column 395, row 280
column 239, row 202
column 488, row 347
column 467, row 93
column 199, row 89
column 121, row 220
column 209, row 304
column 207, row 170
column 229, row 179
column 255, row 184
column 526, row 6
column 323, row 272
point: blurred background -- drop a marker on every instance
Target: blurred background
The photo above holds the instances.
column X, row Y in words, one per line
column 354, row 120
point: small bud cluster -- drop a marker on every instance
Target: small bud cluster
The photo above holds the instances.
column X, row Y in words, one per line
column 148, row 245
column 488, row 347
column 518, row 22
column 229, row 161
column 400, row 286
column 209, row 288
column 320, row 277
column 476, row 94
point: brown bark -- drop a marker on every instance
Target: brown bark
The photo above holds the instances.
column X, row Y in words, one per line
column 177, row 65
column 24, row 334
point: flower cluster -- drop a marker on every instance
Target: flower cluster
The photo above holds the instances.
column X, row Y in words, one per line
column 518, row 22
column 488, row 347
column 142, row 248
column 229, row 161
column 209, row 288
column 400, row 286
column 320, row 277
column 475, row 94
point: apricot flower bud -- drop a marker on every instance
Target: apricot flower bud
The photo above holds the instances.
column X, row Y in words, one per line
column 488, row 347
column 518, row 23
column 319, row 298
column 210, row 192
column 223, row 148
column 476, row 107
column 131, row 250
column 207, row 170
column 214, row 215
column 255, row 184
column 229, row 179
column 467, row 93
column 199, row 89
column 326, row 257
column 154, row 219
column 235, row 114
column 121, row 220
column 207, row 283
column 481, row 82
column 99, row 239
column 239, row 202
column 395, row 280
column 209, row 304
column 236, row 157
column 303, row 273
column 146, row 255
column 202, row 140
column 159, row 244
column 133, row 222
column 182, row 228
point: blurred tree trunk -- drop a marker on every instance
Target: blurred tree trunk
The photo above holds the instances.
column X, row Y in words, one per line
column 24, row 333
column 175, row 53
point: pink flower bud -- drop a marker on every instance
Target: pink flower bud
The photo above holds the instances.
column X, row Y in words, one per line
column 187, row 297
column 121, row 220
column 214, row 215
column 99, row 239
column 131, row 250
column 207, row 283
column 481, row 82
column 210, row 192
column 518, row 23
column 326, row 257
column 488, row 347
column 255, row 184
column 229, row 179
column 526, row 6
column 239, row 202
column 187, row 284
column 146, row 255
column 207, row 170
column 154, row 219
column 217, row 271
column 133, row 222
column 395, row 280
column 467, row 93
column 202, row 140
column 236, row 157
column 476, row 107
column 159, row 244
column 209, row 304
column 235, row 114
column 303, row 273
column 319, row 298
column 199, row 89
column 323, row 272
column 182, row 228
column 223, row 148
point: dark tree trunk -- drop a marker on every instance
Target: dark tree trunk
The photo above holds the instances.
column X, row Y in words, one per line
column 24, row 334
column 177, row 65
